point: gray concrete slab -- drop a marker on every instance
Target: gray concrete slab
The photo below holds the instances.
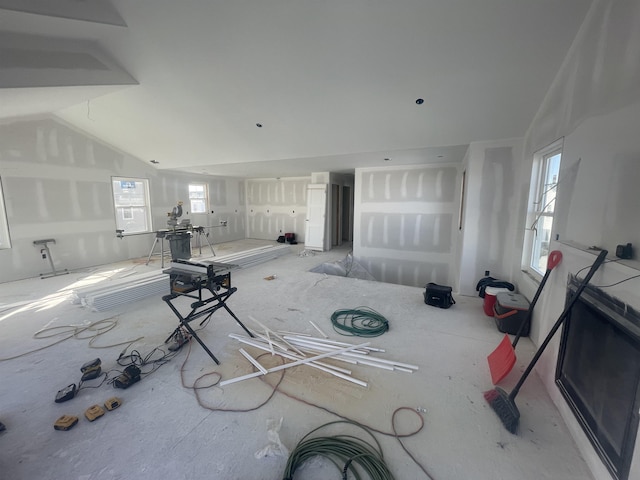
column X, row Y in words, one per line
column 164, row 430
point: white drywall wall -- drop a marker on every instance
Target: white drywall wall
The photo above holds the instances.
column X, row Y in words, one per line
column 57, row 185
column 276, row 206
column 489, row 213
column 594, row 103
column 405, row 219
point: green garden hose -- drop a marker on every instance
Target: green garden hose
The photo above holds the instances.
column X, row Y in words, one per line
column 344, row 451
column 359, row 322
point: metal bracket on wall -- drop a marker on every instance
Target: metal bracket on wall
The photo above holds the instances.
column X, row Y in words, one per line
column 46, row 253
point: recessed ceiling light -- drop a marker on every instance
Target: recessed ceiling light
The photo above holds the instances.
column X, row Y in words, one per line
column 154, row 161
column 387, row 159
column 259, row 125
column 420, row 101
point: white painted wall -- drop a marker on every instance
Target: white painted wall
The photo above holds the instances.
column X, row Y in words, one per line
column 57, row 184
column 594, row 103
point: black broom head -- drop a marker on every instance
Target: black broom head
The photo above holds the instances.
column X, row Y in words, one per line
column 504, row 407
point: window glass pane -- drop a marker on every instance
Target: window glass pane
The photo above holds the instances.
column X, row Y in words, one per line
column 540, row 251
column 198, row 206
column 544, row 209
column 198, row 198
column 552, row 167
column 131, row 201
column 196, row 191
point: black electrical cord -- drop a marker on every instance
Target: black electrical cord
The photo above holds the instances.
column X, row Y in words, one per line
column 359, row 322
column 611, row 284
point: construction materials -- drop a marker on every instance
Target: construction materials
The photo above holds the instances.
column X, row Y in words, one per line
column 289, row 365
column 503, row 403
column 117, row 292
column 503, row 358
column 320, row 348
column 318, row 329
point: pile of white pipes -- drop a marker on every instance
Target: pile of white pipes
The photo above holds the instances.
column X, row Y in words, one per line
column 252, row 257
column 307, row 350
column 105, row 296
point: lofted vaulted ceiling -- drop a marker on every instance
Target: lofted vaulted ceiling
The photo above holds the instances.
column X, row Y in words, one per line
column 333, row 83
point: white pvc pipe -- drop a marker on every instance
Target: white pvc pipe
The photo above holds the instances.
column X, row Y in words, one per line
column 253, row 361
column 289, row 365
column 292, row 337
column 318, row 329
column 291, row 356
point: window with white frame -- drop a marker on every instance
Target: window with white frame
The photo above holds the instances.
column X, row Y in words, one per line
column 5, row 239
column 132, row 204
column 542, row 203
column 198, row 197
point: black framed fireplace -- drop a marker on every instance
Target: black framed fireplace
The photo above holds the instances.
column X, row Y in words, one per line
column 598, row 373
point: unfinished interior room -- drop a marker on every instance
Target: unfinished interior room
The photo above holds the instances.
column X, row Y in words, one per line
column 303, row 240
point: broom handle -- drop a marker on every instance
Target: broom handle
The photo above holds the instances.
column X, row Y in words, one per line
column 555, row 257
column 599, row 261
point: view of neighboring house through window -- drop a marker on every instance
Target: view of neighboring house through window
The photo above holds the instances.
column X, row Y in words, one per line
column 198, row 198
column 544, row 182
column 132, row 204
column 5, row 240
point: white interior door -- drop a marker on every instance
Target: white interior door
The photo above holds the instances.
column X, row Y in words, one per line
column 316, row 212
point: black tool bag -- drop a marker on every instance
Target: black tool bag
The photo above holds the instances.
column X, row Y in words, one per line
column 438, row 295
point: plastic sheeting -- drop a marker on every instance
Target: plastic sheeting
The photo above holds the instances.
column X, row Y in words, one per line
column 347, row 267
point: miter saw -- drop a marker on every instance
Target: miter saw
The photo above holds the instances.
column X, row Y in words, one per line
column 175, row 214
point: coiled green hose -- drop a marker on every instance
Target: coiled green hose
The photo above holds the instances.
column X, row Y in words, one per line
column 359, row 322
column 344, row 451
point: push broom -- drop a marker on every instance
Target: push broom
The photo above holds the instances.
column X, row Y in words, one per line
column 503, row 358
column 503, row 403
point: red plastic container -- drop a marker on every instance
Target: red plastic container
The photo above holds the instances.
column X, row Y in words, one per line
column 490, row 294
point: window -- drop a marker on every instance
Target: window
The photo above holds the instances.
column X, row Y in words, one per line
column 198, row 198
column 5, row 240
column 131, row 201
column 544, row 182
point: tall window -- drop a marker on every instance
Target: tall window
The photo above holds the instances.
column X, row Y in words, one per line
column 5, row 239
column 544, row 182
column 132, row 205
column 198, row 198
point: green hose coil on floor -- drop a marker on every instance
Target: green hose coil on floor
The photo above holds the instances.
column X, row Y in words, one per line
column 344, row 451
column 359, row 322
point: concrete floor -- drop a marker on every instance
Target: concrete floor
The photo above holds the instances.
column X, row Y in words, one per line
column 162, row 431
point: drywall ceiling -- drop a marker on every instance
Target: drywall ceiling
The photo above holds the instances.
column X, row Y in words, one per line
column 334, row 84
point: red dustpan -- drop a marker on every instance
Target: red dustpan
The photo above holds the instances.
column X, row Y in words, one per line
column 503, row 358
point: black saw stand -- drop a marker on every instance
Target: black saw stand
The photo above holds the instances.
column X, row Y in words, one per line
column 192, row 280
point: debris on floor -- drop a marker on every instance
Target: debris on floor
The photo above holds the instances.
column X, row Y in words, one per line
column 305, row 349
column 347, row 267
